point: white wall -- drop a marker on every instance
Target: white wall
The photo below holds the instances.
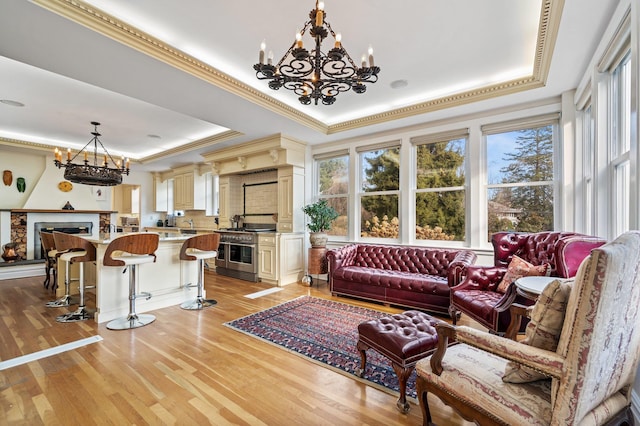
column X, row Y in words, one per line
column 30, row 167
column 42, row 178
column 47, row 195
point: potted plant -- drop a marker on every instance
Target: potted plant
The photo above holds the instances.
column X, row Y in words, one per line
column 321, row 215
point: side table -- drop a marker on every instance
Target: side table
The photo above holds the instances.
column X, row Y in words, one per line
column 531, row 287
column 318, row 260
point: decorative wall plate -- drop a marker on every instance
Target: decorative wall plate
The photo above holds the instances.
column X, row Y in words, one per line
column 65, row 186
column 7, row 177
column 21, row 184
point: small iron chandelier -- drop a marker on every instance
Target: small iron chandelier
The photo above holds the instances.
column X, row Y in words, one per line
column 98, row 174
column 317, row 75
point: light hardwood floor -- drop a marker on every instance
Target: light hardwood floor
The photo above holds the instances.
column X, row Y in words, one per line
column 186, row 368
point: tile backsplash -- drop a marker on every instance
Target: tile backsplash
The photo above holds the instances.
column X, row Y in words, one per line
column 258, row 190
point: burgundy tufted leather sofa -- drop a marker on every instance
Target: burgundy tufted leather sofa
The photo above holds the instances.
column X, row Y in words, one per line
column 477, row 295
column 414, row 277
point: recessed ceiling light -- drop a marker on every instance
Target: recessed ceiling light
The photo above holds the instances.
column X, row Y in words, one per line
column 11, row 103
column 399, row 84
column 152, row 136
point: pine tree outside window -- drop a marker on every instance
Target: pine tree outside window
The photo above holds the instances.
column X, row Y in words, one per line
column 520, row 190
column 440, row 186
column 379, row 191
column 333, row 185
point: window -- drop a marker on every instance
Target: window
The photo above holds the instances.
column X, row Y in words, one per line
column 379, row 190
column 333, row 185
column 440, row 186
column 520, row 192
column 588, row 143
column 621, row 143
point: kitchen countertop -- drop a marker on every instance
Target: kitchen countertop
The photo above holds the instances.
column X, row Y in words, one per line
column 106, row 238
column 176, row 229
column 167, row 279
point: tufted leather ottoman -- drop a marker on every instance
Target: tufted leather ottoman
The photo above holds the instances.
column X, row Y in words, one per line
column 403, row 338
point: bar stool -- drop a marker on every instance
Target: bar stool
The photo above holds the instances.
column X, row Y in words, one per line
column 76, row 250
column 132, row 250
column 199, row 248
column 51, row 259
column 64, row 247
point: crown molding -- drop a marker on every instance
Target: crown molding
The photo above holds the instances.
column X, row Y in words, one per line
column 45, row 148
column 17, row 143
column 107, row 25
column 550, row 14
column 200, row 143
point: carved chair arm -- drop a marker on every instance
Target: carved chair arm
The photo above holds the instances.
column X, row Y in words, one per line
column 547, row 362
column 481, row 278
column 445, row 332
column 507, row 300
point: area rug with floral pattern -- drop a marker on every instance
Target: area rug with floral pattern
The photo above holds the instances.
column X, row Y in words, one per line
column 325, row 332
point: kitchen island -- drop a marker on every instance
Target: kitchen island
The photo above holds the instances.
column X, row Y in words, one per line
column 166, row 279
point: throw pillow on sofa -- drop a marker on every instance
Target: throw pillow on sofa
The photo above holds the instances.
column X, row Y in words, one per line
column 543, row 331
column 519, row 268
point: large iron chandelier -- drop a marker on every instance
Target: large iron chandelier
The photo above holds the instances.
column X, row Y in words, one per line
column 97, row 173
column 316, row 75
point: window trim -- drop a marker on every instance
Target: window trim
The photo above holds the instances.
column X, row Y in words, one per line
column 440, row 137
column 520, row 124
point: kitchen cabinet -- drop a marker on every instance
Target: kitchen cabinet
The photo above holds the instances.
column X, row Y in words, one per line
column 280, row 258
column 291, row 258
column 290, row 199
column 267, row 257
column 161, row 195
column 224, row 201
column 189, row 191
column 126, row 199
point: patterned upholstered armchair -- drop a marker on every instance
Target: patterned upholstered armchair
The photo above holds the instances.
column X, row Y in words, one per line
column 483, row 295
column 585, row 377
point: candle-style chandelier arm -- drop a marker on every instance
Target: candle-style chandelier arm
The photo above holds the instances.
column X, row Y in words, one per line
column 92, row 174
column 316, row 75
column 80, row 151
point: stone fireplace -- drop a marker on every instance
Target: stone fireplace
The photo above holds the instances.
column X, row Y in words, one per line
column 27, row 238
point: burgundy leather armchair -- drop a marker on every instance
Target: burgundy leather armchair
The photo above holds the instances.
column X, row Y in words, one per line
column 477, row 295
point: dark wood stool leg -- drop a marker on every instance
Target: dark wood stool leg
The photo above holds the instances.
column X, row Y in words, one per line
column 47, row 274
column 54, row 284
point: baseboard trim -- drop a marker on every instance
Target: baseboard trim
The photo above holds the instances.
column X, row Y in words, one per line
column 22, row 271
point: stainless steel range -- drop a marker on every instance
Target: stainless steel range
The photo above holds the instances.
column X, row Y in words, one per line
column 238, row 252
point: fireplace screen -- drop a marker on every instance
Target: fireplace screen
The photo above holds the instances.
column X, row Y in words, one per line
column 66, row 227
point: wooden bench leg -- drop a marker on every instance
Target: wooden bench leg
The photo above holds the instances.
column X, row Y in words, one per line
column 403, row 374
column 362, row 348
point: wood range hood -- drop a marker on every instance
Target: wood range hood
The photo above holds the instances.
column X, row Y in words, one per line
column 272, row 152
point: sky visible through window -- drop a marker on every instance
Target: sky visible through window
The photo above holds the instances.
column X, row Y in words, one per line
column 497, row 145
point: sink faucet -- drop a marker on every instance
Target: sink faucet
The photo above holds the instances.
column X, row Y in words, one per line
column 190, row 222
